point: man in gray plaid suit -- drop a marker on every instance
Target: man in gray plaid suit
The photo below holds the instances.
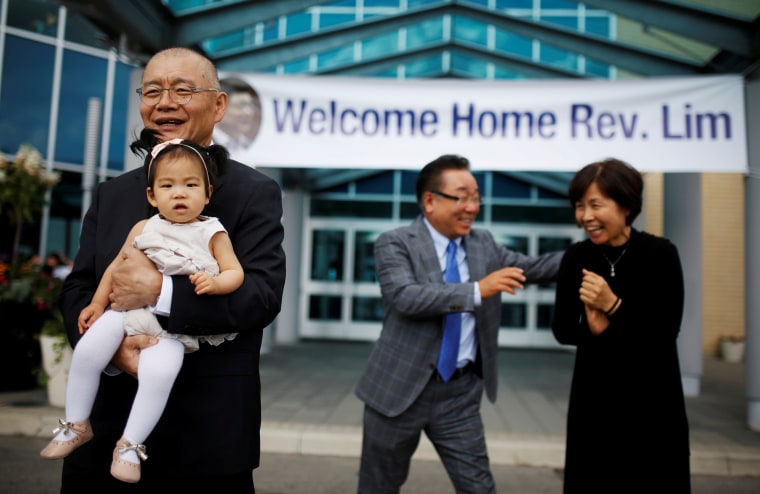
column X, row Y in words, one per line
column 402, row 388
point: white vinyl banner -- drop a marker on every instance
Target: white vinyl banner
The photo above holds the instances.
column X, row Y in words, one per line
column 694, row 124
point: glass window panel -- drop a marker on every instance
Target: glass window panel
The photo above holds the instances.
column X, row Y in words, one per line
column 480, row 178
column 513, row 316
column 569, row 22
column 469, row 30
column 558, row 4
column 329, row 19
column 469, row 65
column 66, row 199
column 341, row 56
column 271, row 31
column 507, row 186
column 327, row 252
column 183, row 5
column 380, row 45
column 325, row 307
column 26, row 94
column 500, row 73
column 297, row 67
column 351, row 209
column 298, row 23
column 550, row 194
column 544, row 317
column 120, row 110
column 424, row 33
column 532, row 214
column 482, row 3
column 559, row 58
column 390, row 73
column 224, row 42
column 409, row 210
column 409, row 183
column 342, row 3
column 81, row 30
column 336, row 189
column 514, row 44
column 552, row 244
column 83, row 77
column 514, row 4
column 382, row 3
column 367, row 309
column 36, row 16
column 513, row 242
column 598, row 25
column 364, row 256
column 429, row 67
column 380, row 183
column 597, row 69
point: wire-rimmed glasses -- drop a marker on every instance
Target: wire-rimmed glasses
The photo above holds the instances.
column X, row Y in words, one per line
column 151, row 95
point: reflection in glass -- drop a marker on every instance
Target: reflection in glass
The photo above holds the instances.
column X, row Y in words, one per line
column 351, row 209
column 552, row 244
column 325, row 307
column 40, row 18
column 25, row 103
column 327, row 255
column 513, row 242
column 513, row 316
column 364, row 257
column 367, row 309
column 545, row 316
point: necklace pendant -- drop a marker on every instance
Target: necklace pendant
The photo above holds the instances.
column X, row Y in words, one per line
column 612, row 271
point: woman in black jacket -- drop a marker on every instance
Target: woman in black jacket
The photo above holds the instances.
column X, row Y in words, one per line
column 619, row 300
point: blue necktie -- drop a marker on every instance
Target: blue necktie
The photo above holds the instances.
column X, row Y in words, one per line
column 452, row 324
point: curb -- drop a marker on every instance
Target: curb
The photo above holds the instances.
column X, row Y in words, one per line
column 515, row 450
column 345, row 441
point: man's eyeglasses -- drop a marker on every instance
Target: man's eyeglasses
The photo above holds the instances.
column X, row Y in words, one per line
column 151, row 95
column 474, row 199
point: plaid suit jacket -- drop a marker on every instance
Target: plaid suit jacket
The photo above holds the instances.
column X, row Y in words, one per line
column 415, row 299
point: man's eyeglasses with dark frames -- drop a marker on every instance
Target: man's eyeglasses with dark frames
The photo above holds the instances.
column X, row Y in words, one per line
column 151, row 95
column 475, row 199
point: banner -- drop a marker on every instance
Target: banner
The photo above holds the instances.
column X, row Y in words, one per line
column 694, row 124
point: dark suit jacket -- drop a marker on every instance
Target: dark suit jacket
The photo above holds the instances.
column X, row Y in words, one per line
column 211, row 423
column 415, row 299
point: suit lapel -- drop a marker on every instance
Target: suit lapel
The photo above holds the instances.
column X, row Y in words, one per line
column 475, row 256
column 427, row 256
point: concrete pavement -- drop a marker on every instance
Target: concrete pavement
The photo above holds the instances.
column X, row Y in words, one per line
column 308, row 408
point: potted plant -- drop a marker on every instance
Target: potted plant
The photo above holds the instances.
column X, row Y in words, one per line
column 28, row 301
column 28, row 295
column 56, row 359
column 732, row 348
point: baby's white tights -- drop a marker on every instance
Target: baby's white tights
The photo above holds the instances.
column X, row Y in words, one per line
column 157, row 369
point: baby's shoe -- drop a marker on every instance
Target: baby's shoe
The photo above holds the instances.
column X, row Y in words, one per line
column 124, row 470
column 56, row 449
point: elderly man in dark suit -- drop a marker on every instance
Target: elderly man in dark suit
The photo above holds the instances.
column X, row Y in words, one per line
column 208, row 437
column 440, row 281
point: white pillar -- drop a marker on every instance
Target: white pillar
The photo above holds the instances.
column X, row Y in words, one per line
column 92, row 137
column 287, row 326
column 683, row 226
column 752, row 251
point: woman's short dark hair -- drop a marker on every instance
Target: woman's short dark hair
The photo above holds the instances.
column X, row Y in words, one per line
column 429, row 177
column 616, row 179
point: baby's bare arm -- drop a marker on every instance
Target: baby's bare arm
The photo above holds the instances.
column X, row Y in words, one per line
column 101, row 298
column 231, row 272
